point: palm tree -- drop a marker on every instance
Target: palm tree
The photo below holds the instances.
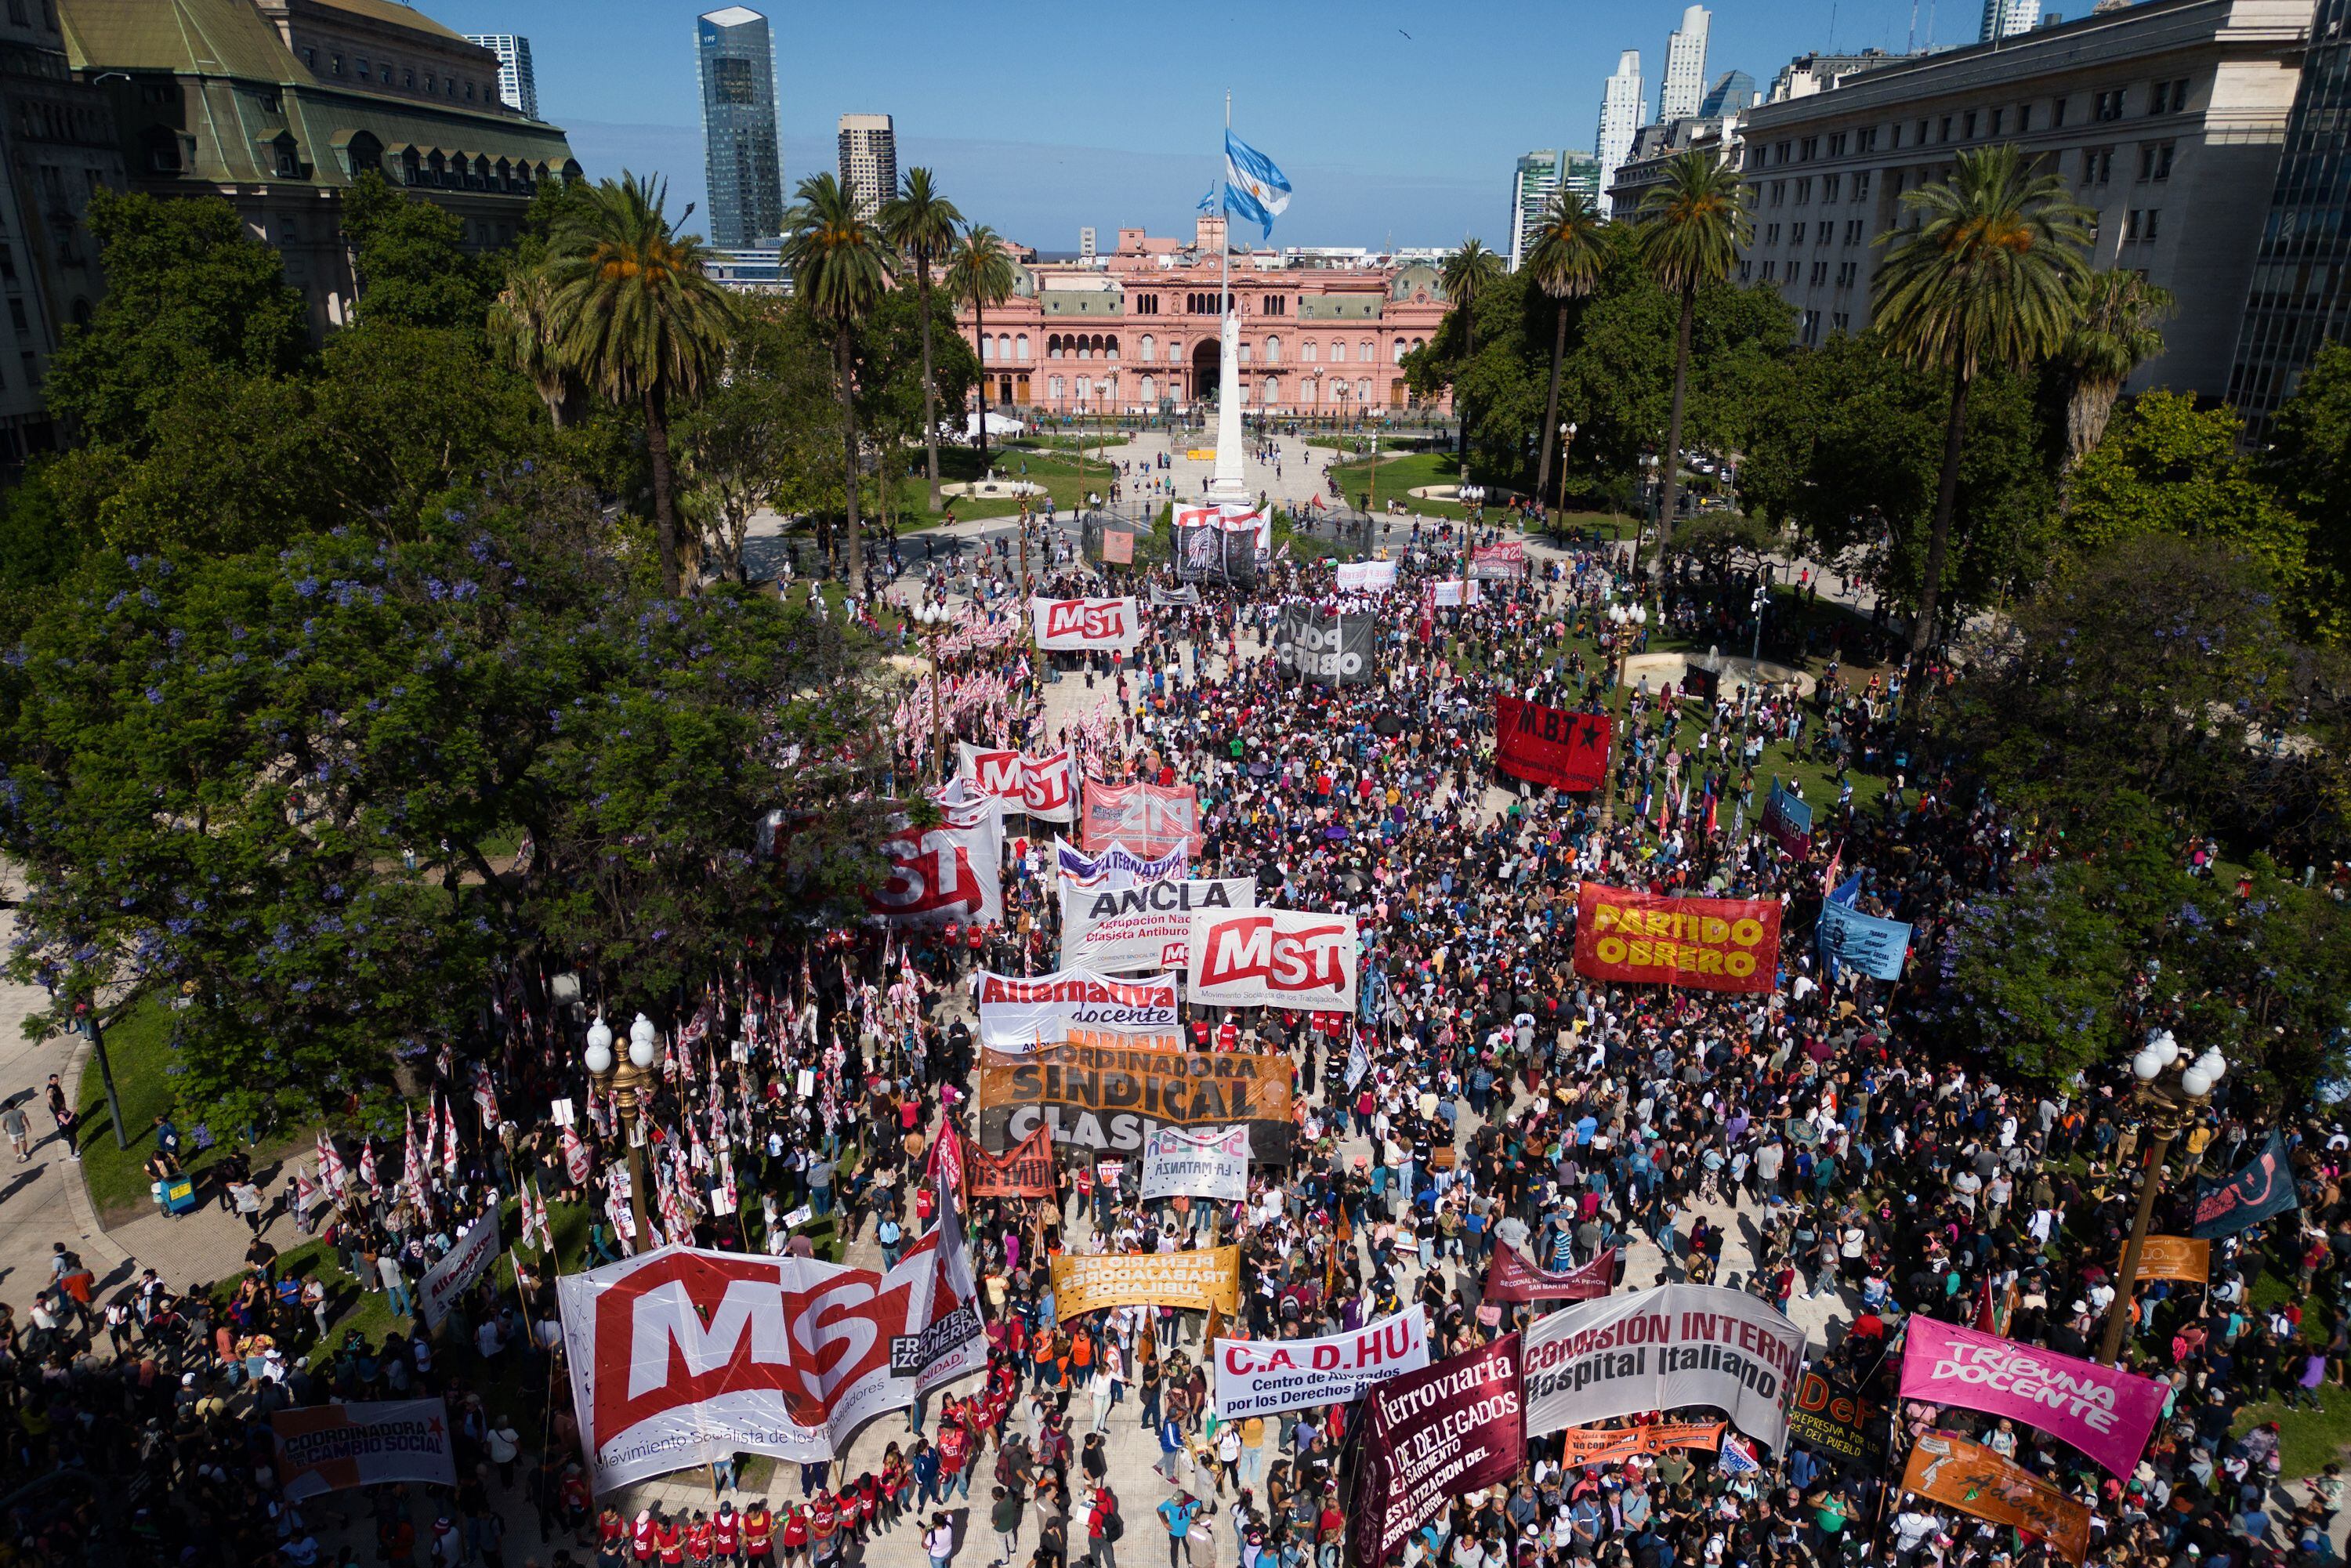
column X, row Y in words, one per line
column 2114, row 333
column 1565, row 264
column 1984, row 275
column 979, row 273
column 523, row 332
column 1465, row 275
column 920, row 224
column 1693, row 222
column 637, row 318
column 839, row 266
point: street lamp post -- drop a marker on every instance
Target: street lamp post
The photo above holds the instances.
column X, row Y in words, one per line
column 1625, row 623
column 2166, row 1105
column 630, row 1084
column 1566, row 439
column 932, row 622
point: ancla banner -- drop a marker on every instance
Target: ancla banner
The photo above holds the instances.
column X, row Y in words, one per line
column 333, row 1448
column 1026, row 1172
column 1510, row 1278
column 1212, row 1164
column 1333, row 649
column 1145, row 818
column 1672, row 1347
column 1273, row 957
column 679, row 1356
column 1431, row 1436
column 950, row 871
column 1264, row 1377
column 1086, row 625
column 2262, row 1188
column 2102, row 1410
column 1040, row 786
column 1546, row 745
column 1705, row 944
column 1147, row 927
column 452, row 1277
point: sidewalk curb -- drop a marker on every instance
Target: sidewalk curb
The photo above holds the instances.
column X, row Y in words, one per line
column 85, row 1213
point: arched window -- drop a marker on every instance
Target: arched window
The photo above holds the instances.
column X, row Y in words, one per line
column 1399, row 351
column 1149, row 348
column 1149, row 390
column 1420, row 343
column 1338, row 352
column 1053, row 346
column 1307, row 351
column 1021, row 350
column 1363, row 392
column 1114, row 346
column 1272, row 391
column 986, row 350
column 1364, row 354
column 1273, row 350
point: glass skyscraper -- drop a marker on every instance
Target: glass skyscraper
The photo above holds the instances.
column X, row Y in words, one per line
column 739, row 149
column 2301, row 295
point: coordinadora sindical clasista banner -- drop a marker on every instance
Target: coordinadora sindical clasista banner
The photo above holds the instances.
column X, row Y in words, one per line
column 1704, row 943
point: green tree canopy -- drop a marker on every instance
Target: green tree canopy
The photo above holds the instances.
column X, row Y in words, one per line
column 413, row 268
column 2309, row 463
column 188, row 293
column 2169, row 466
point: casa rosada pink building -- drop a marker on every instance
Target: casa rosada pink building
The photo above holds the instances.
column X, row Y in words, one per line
column 1135, row 330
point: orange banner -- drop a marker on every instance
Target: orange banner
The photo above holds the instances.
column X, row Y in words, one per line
column 2174, row 1258
column 1706, row 944
column 1614, row 1446
column 1027, row 1171
column 1973, row 1480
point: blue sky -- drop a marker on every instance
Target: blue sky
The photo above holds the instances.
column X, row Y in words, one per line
column 1041, row 117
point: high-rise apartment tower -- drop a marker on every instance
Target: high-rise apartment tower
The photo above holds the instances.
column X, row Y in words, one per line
column 740, row 154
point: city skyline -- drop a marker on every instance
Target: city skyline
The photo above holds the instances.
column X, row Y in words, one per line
column 1115, row 149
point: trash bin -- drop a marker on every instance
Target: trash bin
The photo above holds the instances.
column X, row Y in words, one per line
column 178, row 1194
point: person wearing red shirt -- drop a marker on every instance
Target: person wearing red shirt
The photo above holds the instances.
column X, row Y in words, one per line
column 612, row 1530
column 645, row 1536
column 1200, row 1034
column 1101, row 1551
column 954, row 1451
column 727, row 1534
column 759, row 1536
column 1229, row 1036
column 795, row 1534
column 699, row 1537
column 672, row 1544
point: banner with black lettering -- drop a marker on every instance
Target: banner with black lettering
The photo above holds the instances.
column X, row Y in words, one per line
column 1145, row 927
column 1674, row 1347
column 1333, row 649
column 1265, row 1377
column 333, row 1448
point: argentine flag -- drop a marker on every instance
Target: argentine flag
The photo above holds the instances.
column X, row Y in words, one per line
column 1254, row 188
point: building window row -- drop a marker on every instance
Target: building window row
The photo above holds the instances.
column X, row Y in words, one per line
column 1003, row 348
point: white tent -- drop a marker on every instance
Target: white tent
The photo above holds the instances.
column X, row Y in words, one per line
column 997, row 424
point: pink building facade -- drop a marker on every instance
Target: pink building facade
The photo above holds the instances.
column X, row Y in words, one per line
column 1135, row 330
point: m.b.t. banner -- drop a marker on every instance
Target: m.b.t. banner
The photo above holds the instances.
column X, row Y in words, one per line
column 1546, row 745
column 1706, row 944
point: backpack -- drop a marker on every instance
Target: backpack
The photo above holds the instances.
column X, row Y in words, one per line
column 1113, row 1522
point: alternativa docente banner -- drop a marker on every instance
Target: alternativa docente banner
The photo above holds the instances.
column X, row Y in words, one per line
column 679, row 1356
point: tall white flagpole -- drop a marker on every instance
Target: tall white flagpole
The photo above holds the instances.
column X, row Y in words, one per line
column 1229, row 483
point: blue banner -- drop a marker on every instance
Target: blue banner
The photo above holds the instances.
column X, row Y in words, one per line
column 2262, row 1189
column 1876, row 948
column 1789, row 819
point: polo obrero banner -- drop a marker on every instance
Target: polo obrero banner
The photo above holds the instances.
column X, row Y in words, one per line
column 1704, row 943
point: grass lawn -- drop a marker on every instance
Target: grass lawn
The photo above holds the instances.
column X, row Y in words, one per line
column 1404, row 472
column 1065, row 476
column 1072, row 442
column 2307, row 1439
column 140, row 1046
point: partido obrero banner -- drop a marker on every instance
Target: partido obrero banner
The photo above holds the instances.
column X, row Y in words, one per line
column 1335, row 650
column 1703, row 944
column 1036, row 1008
column 1040, row 787
column 1272, row 958
column 1109, row 1098
column 2102, row 1410
column 333, row 1448
column 1086, row 625
column 1668, row 1348
column 1212, row 1165
column 681, row 1356
column 1265, row 1377
column 1146, row 926
column 1546, row 745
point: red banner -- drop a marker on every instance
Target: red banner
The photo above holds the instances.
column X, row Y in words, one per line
column 1431, row 1436
column 1545, row 745
column 1706, row 944
column 1504, row 561
column 1145, row 818
column 951, row 870
column 1510, row 1278
column 1026, row 1170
